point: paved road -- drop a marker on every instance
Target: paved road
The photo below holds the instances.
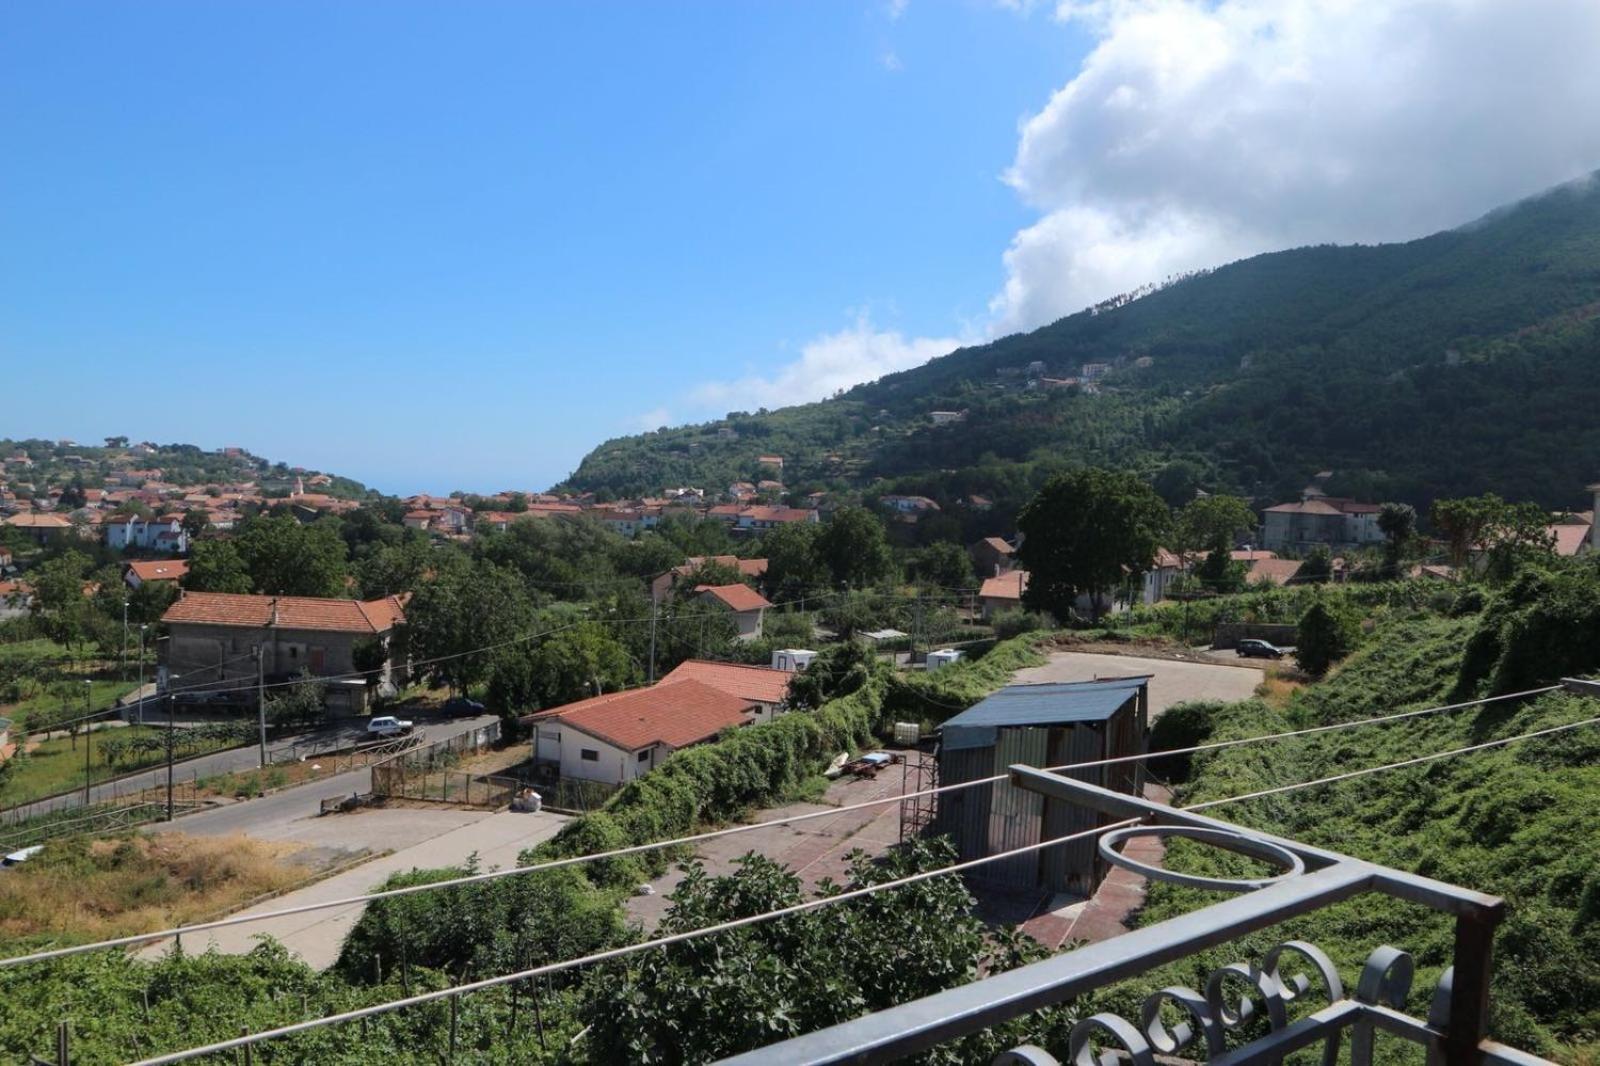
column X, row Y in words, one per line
column 246, row 758
column 1171, row 681
column 318, row 936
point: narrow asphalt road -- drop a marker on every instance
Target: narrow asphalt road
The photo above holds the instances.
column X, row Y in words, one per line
column 242, row 759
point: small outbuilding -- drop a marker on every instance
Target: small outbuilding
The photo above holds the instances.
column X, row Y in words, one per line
column 1045, row 725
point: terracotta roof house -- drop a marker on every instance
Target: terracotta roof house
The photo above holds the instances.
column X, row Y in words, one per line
column 746, row 604
column 1326, row 520
column 1003, row 592
column 616, row 737
column 1272, row 571
column 758, row 517
column 762, row 685
column 992, row 556
column 41, row 527
column 143, row 571
column 215, row 637
column 662, row 584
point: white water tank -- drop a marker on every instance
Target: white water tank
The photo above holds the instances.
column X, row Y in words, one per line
column 943, row 657
column 792, row 658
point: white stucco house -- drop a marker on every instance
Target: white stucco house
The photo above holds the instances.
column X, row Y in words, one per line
column 616, row 737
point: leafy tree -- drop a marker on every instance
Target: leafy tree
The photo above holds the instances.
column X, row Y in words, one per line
column 195, row 522
column 853, row 546
column 1398, row 522
column 297, row 705
column 715, row 997
column 838, row 670
column 1220, row 572
column 1210, row 524
column 216, row 566
column 451, row 618
column 1324, row 636
column 584, row 660
column 943, row 565
column 795, row 567
column 1177, row 483
column 1317, row 567
column 1083, row 534
column 284, row 557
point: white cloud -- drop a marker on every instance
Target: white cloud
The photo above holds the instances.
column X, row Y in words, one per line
column 654, row 419
column 834, row 361
column 895, row 8
column 1199, row 132
column 891, row 62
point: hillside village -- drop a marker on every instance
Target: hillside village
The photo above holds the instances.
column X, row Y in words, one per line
column 537, row 677
column 724, row 671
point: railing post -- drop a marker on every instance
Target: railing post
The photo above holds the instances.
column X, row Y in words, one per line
column 63, row 1043
column 1469, row 991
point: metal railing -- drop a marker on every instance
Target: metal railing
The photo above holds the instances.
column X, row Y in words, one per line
column 1453, row 1032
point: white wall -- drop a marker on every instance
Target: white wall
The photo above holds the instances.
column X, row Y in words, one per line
column 614, row 765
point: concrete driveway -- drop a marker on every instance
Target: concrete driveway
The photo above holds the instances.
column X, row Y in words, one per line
column 318, row 936
column 1171, row 681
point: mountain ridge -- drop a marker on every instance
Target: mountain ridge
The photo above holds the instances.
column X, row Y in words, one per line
column 1395, row 365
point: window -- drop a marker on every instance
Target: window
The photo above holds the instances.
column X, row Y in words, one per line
column 644, row 756
column 588, row 755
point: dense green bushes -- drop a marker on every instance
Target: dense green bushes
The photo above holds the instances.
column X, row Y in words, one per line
column 1519, row 821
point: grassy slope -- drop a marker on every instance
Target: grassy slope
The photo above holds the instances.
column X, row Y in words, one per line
column 1520, row 822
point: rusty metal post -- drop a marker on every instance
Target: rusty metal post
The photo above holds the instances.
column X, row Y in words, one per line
column 244, row 1052
column 1469, row 992
column 63, row 1043
column 455, row 1021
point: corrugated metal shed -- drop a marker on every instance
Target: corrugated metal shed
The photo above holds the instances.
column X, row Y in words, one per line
column 1057, row 724
column 1055, row 703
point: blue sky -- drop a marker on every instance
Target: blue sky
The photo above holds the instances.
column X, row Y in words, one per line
column 457, row 245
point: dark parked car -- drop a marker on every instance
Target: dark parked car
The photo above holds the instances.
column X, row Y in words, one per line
column 1259, row 649
column 460, row 705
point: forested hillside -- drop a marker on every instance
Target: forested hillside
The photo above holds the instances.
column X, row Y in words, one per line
column 1464, row 362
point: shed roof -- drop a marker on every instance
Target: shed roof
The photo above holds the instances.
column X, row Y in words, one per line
column 1053, row 703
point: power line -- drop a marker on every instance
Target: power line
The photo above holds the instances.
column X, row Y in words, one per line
column 621, row 952
column 1395, row 765
column 638, row 849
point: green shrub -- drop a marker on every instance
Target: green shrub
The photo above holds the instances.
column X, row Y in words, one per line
column 1325, row 635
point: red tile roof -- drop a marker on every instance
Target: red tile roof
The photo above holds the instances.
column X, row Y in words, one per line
column 1251, row 555
column 1273, row 571
column 29, row 520
column 677, row 715
column 1005, row 587
column 746, row 567
column 159, row 569
column 735, row 597
column 760, row 683
column 294, row 612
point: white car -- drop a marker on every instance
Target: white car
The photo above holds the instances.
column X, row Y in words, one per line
column 388, row 726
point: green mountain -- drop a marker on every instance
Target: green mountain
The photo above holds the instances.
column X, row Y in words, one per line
column 1463, row 362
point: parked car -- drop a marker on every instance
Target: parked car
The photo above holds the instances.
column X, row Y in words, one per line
column 460, row 705
column 1259, row 649
column 389, row 726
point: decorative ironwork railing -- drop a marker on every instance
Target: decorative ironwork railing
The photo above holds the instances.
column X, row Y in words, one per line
column 1294, row 989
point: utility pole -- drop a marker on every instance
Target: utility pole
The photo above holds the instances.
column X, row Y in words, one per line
column 172, row 740
column 142, row 628
column 261, row 704
column 88, row 738
column 122, row 664
column 652, row 640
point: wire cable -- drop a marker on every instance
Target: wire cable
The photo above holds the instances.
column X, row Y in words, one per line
column 639, row 849
column 1349, row 774
column 621, row 952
